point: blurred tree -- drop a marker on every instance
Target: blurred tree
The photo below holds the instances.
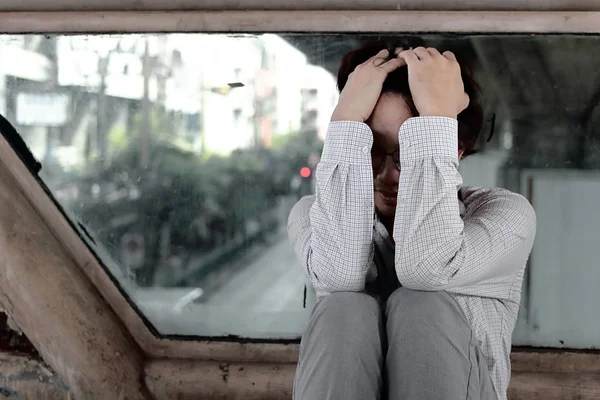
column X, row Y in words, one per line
column 117, row 139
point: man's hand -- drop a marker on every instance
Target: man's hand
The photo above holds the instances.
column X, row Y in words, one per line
column 435, row 82
column 361, row 92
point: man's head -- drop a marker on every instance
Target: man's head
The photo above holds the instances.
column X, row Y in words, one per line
column 394, row 107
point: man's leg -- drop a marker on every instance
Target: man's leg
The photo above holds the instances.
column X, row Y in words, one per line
column 432, row 353
column 341, row 355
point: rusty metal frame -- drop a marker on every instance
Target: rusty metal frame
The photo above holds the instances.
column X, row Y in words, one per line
column 301, row 21
column 259, row 5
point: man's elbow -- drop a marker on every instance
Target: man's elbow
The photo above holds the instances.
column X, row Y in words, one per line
column 519, row 214
column 331, row 283
column 530, row 221
column 300, row 210
column 422, row 278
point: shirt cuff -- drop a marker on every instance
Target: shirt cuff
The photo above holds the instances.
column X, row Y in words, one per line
column 348, row 142
column 425, row 137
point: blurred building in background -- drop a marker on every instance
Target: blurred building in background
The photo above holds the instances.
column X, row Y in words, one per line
column 82, row 99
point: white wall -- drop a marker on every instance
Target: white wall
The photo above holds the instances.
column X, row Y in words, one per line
column 316, row 77
column 2, row 89
column 227, row 54
column 565, row 262
column 287, row 79
column 483, row 169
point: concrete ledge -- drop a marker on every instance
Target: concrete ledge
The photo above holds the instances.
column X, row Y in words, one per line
column 190, row 5
column 300, row 21
column 170, row 379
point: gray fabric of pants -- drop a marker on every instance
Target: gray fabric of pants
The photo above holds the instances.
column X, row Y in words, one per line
column 416, row 346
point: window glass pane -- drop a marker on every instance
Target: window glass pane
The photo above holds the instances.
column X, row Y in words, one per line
column 181, row 155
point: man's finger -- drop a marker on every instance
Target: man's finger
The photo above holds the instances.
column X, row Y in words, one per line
column 409, row 56
column 369, row 61
column 398, row 51
column 422, row 53
column 392, row 65
column 433, row 52
column 382, row 54
column 449, row 55
column 381, row 57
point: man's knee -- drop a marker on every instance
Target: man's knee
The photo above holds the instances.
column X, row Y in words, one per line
column 431, row 311
column 341, row 353
column 346, row 316
column 342, row 300
column 430, row 344
column 426, row 329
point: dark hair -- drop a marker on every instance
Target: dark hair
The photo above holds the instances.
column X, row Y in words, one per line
column 470, row 121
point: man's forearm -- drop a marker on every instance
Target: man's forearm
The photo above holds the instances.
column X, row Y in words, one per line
column 339, row 253
column 428, row 209
column 436, row 249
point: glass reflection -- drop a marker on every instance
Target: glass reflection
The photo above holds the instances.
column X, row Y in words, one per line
column 182, row 154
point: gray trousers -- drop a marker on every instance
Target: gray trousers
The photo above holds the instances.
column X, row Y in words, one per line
column 416, row 346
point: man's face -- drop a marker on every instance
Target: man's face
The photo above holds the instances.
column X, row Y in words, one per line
column 389, row 114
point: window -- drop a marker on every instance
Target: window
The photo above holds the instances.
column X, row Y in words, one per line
column 188, row 213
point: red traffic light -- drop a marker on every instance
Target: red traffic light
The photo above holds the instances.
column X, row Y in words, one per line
column 305, row 172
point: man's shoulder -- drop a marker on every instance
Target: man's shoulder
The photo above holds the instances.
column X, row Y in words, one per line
column 469, row 194
column 475, row 196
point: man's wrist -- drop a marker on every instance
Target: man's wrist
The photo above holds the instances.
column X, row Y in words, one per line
column 341, row 115
column 431, row 136
column 348, row 142
column 438, row 113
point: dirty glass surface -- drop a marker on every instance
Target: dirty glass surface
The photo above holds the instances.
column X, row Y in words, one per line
column 181, row 155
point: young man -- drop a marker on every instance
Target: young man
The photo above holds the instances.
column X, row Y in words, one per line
column 418, row 278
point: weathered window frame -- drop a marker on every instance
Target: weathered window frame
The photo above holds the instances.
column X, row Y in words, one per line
column 250, row 369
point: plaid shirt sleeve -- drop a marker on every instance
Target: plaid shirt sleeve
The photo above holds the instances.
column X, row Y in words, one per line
column 332, row 231
column 435, row 248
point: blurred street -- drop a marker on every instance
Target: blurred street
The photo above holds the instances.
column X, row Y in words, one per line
column 271, row 281
column 261, row 292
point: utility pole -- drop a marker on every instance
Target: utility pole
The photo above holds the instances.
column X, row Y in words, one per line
column 146, row 109
column 53, row 135
column 2, row 87
column 101, row 109
column 102, row 123
column 258, row 109
column 202, row 113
